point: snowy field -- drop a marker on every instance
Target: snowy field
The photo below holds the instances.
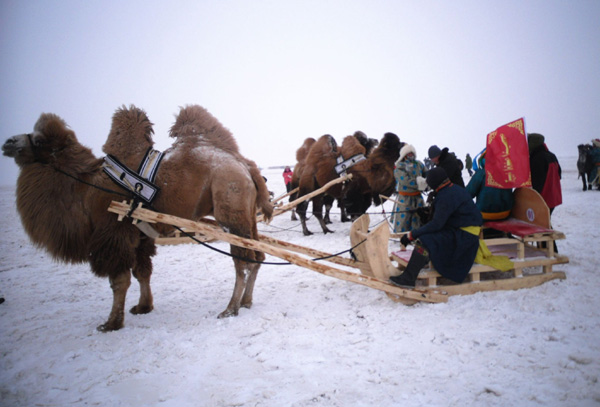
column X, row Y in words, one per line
column 309, row 340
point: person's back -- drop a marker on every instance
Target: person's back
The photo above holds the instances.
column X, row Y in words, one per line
column 545, row 171
column 493, row 203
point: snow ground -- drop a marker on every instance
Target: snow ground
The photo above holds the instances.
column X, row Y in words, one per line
column 309, row 340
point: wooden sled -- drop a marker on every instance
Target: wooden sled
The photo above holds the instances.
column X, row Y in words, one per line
column 292, row 253
column 529, row 243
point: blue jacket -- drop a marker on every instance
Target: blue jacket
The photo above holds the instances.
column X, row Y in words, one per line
column 451, row 250
column 493, row 203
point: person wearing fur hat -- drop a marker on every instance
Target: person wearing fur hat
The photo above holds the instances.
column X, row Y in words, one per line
column 593, row 158
column 407, row 171
column 450, row 240
column 448, row 161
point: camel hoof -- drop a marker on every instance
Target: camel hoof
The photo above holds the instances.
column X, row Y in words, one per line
column 307, row 233
column 109, row 327
column 138, row 309
column 247, row 305
column 227, row 313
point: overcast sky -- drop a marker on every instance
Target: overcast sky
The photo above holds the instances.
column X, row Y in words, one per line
column 276, row 72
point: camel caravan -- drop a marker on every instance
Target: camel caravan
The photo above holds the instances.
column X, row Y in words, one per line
column 108, row 215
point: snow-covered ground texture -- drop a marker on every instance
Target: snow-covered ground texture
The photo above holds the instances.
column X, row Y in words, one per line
column 309, row 339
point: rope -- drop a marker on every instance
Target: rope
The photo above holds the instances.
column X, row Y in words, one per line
column 287, row 263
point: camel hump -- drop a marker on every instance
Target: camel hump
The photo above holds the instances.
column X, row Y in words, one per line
column 131, row 134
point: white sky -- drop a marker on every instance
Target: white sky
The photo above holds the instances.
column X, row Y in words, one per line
column 276, row 72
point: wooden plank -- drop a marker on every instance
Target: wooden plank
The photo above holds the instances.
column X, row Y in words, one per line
column 217, row 233
column 306, row 197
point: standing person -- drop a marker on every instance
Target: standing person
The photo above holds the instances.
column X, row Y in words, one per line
column 406, row 171
column 469, row 164
column 593, row 158
column 545, row 171
column 450, row 239
column 449, row 162
column 287, row 178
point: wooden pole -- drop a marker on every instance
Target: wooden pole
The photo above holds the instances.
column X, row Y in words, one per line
column 153, row 217
column 306, row 197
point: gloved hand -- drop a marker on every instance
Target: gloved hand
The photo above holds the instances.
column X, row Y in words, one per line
column 406, row 239
column 421, row 183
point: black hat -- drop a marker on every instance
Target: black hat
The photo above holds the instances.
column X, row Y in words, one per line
column 434, row 151
column 436, row 177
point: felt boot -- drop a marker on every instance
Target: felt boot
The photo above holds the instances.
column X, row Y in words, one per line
column 418, row 260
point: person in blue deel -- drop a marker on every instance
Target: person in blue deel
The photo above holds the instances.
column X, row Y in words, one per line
column 450, row 240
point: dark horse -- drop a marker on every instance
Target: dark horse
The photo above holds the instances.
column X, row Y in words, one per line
column 584, row 164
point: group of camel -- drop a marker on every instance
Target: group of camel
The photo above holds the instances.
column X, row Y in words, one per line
column 372, row 177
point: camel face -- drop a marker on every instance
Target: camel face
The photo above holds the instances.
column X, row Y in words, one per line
column 20, row 148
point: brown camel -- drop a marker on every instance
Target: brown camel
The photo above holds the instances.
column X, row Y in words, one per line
column 319, row 169
column 202, row 174
column 301, row 155
column 372, row 177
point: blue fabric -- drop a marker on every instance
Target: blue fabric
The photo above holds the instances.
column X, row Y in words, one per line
column 451, row 250
column 489, row 199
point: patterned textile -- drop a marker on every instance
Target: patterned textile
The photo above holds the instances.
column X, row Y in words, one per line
column 409, row 196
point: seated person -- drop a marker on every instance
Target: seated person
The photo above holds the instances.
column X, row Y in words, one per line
column 450, row 239
column 494, row 203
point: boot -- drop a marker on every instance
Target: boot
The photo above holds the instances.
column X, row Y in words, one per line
column 418, row 260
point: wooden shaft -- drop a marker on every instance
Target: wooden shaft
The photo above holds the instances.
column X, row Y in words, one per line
column 208, row 230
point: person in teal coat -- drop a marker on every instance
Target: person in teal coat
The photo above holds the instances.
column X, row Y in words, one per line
column 493, row 203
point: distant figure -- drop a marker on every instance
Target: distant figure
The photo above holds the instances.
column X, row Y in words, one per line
column 449, row 162
column 469, row 164
column 287, row 178
column 428, row 163
column 545, row 171
column 594, row 162
column 584, row 164
column 406, row 171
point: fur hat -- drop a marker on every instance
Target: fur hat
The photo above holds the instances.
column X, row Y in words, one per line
column 534, row 140
column 406, row 150
column 436, row 177
column 596, row 142
column 434, row 151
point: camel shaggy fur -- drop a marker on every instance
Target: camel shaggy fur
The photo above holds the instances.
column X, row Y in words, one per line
column 202, row 174
column 372, row 177
column 319, row 169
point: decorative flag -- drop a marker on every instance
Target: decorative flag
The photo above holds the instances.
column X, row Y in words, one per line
column 507, row 157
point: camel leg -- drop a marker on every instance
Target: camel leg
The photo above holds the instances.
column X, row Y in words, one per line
column 251, row 279
column 119, row 284
column 242, row 274
column 142, row 272
column 301, row 210
column 328, row 201
column 318, row 212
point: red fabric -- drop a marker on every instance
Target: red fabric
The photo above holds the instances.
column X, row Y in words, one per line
column 552, row 192
column 516, row 227
column 507, row 157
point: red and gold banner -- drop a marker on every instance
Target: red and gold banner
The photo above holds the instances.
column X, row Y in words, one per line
column 507, row 157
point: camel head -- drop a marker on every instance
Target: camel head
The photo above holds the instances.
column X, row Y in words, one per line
column 51, row 136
